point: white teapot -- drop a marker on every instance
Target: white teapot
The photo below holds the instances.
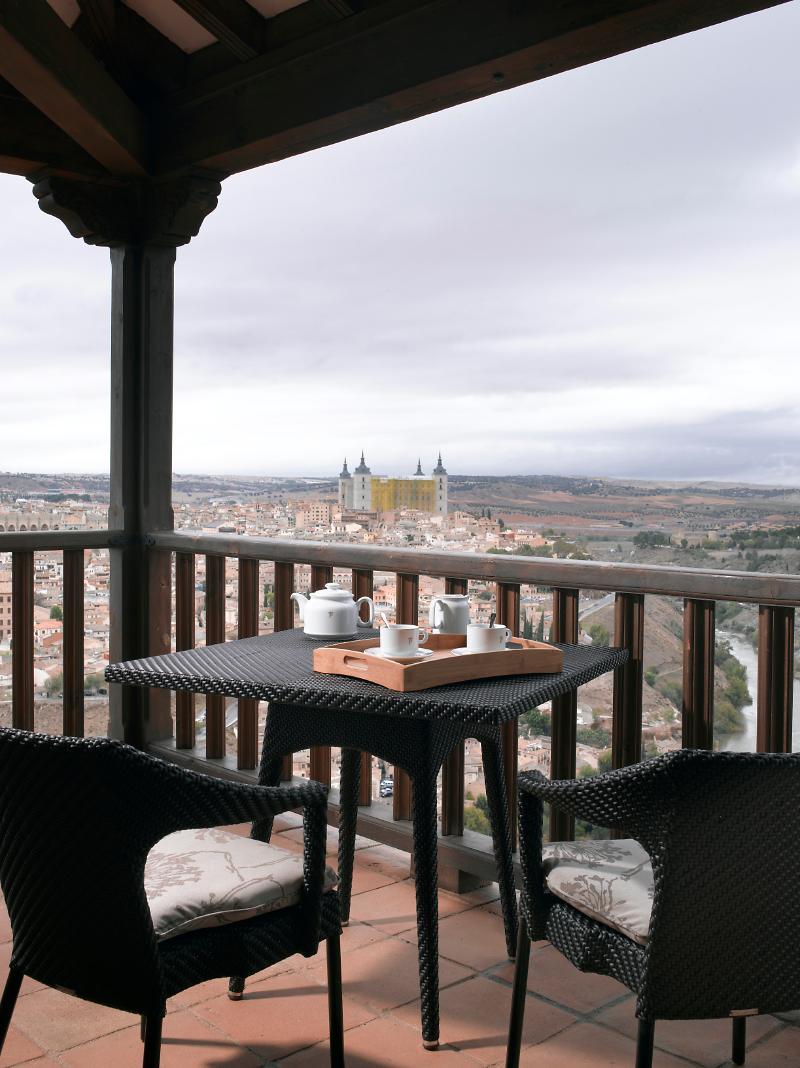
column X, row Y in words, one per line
column 332, row 612
column 449, row 613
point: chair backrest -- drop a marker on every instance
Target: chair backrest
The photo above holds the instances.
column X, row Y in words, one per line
column 725, row 930
column 76, row 824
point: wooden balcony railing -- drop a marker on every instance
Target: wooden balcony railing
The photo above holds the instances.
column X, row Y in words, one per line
column 776, row 595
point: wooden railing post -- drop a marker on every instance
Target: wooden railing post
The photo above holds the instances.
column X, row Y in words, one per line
column 22, row 640
column 215, row 635
column 775, row 678
column 565, row 713
column 320, row 755
column 626, row 740
column 697, row 725
column 73, row 643
column 283, row 619
column 247, row 713
column 407, row 612
column 508, row 608
column 364, row 586
column 184, row 639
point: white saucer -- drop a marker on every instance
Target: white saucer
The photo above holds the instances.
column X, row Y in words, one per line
column 420, row 654
column 473, row 652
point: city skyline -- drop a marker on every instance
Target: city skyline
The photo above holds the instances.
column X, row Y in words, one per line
column 473, row 291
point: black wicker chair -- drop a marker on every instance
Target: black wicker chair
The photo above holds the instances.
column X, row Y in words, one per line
column 78, row 818
column 724, row 930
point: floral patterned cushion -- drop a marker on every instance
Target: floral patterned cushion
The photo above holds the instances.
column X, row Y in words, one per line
column 207, row 877
column 610, row 881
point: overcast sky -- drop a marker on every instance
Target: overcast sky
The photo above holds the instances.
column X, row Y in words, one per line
column 594, row 274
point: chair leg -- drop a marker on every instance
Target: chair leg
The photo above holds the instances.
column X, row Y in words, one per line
column 335, row 1008
column 518, row 996
column 143, row 1028
column 236, row 988
column 739, row 1039
column 152, row 1042
column 644, row 1044
column 8, row 1001
column 348, row 816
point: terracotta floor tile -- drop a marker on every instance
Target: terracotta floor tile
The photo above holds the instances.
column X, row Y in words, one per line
column 392, row 862
column 332, row 842
column 279, row 1016
column 393, row 908
column 186, row 1043
column 475, row 939
column 483, row 895
column 382, row 1043
column 18, row 1049
column 781, row 1050
column 365, row 879
column 551, row 975
column 56, row 1021
column 589, row 1046
column 474, row 1019
column 707, row 1042
column 386, row 974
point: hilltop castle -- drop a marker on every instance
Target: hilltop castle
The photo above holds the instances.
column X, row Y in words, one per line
column 364, row 492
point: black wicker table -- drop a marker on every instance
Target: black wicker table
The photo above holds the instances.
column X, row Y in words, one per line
column 413, row 731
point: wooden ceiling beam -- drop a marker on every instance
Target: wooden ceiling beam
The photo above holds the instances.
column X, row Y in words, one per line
column 234, row 23
column 398, row 60
column 42, row 58
column 33, row 142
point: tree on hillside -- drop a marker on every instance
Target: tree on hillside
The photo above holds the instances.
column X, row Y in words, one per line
column 55, row 612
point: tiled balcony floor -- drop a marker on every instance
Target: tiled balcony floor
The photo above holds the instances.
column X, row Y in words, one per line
column 572, row 1020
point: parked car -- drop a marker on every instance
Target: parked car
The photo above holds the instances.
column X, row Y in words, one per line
column 386, row 788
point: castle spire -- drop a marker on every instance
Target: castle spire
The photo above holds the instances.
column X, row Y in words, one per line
column 362, row 468
column 439, row 469
column 344, row 472
column 419, row 470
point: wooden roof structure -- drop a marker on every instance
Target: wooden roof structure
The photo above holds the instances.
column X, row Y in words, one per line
column 151, row 88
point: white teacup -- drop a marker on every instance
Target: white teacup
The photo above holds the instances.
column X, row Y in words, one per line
column 481, row 638
column 402, row 639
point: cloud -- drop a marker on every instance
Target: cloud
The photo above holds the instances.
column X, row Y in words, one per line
column 595, row 273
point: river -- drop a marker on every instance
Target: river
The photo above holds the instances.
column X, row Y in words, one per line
column 746, row 741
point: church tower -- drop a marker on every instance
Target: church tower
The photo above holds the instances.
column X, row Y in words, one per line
column 440, row 475
column 345, row 488
column 362, row 487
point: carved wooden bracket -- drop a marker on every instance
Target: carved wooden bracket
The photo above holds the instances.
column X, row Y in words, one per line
column 113, row 212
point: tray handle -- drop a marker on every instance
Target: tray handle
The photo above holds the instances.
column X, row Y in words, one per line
column 357, row 662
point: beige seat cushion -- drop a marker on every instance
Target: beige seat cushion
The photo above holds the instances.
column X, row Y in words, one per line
column 610, row 881
column 208, row 877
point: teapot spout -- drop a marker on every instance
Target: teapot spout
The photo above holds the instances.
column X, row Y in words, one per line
column 302, row 601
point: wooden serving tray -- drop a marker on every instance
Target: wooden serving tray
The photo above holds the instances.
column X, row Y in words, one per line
column 349, row 658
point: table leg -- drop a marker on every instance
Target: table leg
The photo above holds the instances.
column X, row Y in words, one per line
column 423, row 810
column 269, row 774
column 348, row 816
column 496, row 796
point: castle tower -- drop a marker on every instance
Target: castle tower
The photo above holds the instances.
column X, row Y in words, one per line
column 362, row 487
column 440, row 475
column 345, row 488
column 419, row 473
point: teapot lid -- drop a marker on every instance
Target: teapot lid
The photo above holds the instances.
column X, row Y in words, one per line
column 333, row 592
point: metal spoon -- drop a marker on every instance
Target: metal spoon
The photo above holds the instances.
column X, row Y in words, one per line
column 492, row 618
column 385, row 620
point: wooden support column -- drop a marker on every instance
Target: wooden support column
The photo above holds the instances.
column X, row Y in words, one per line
column 626, row 740
column 407, row 612
column 22, row 640
column 142, row 221
column 184, row 639
column 283, row 619
column 565, row 713
column 73, row 643
column 364, row 586
column 247, row 727
column 320, row 755
column 215, row 635
column 775, row 678
column 508, row 608
column 697, row 724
